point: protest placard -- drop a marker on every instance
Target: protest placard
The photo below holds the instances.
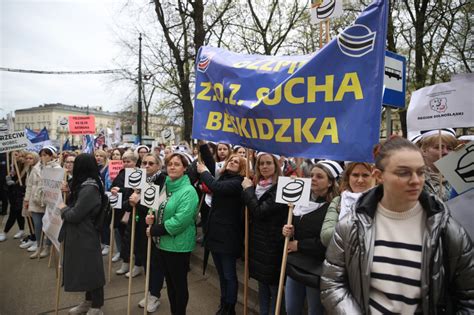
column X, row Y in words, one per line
column 458, row 168
column 115, row 200
column 82, row 125
column 52, row 221
column 294, row 191
column 135, row 178
column 115, row 166
column 443, row 105
column 149, row 196
column 13, row 141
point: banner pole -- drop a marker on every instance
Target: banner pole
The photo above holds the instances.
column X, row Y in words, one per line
column 328, row 36
column 147, row 272
column 58, row 278
column 283, row 263
column 40, row 249
column 111, row 249
column 440, row 145
column 246, row 243
column 132, row 261
column 320, row 34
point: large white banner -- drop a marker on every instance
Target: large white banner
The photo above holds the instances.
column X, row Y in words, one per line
column 444, row 105
column 13, row 141
column 52, row 222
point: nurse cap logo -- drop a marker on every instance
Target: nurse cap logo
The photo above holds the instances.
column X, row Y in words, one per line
column 135, row 178
column 292, row 191
column 465, row 167
column 149, row 195
column 113, row 199
column 356, row 41
column 326, row 10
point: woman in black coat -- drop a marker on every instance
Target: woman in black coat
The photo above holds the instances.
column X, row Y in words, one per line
column 83, row 268
column 224, row 226
column 265, row 239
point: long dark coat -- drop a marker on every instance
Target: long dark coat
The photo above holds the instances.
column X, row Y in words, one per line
column 83, row 268
column 266, row 241
column 224, row 225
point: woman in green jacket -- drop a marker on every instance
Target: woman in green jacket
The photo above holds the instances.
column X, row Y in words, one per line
column 174, row 231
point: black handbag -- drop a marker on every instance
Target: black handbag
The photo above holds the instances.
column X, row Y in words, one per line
column 304, row 269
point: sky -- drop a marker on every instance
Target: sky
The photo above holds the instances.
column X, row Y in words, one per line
column 59, row 35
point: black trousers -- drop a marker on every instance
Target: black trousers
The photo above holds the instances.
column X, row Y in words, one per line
column 175, row 267
column 16, row 205
column 96, row 296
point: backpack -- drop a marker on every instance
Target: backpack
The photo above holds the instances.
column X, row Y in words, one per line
column 104, row 214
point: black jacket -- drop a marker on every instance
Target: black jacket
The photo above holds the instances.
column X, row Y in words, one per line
column 224, row 225
column 266, row 241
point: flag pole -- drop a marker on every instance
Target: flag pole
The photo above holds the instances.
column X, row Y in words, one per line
column 246, row 244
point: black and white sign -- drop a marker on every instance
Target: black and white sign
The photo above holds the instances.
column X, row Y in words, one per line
column 149, row 196
column 13, row 141
column 167, row 135
column 115, row 200
column 293, row 190
column 458, row 168
column 135, row 178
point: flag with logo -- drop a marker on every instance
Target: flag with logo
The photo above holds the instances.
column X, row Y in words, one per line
column 325, row 105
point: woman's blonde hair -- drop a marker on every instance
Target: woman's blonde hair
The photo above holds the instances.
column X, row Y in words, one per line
column 242, row 162
column 346, row 175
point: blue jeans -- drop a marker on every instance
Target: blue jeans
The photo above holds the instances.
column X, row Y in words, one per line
column 226, row 267
column 267, row 296
column 38, row 223
column 296, row 292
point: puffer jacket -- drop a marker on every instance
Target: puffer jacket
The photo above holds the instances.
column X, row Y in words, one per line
column 447, row 270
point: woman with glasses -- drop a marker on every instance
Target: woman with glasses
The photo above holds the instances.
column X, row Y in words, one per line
column 398, row 251
column 174, row 231
column 155, row 176
column 224, row 226
column 265, row 239
column 306, row 252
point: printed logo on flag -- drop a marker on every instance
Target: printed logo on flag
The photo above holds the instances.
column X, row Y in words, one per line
column 439, row 104
column 203, row 63
column 356, row 41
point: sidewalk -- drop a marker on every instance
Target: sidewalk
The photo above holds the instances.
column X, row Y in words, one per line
column 28, row 286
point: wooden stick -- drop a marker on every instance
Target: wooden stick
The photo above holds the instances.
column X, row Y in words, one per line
column 147, row 273
column 8, row 164
column 111, row 249
column 283, row 263
column 30, row 224
column 17, row 170
column 132, row 261
column 51, row 253
column 320, row 35
column 41, row 245
column 246, row 243
column 328, row 35
column 440, row 146
column 58, row 278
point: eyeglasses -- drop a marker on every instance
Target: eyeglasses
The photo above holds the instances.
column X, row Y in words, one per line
column 145, row 163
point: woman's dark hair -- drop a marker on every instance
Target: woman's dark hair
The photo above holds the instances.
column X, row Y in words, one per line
column 382, row 151
column 85, row 166
column 183, row 159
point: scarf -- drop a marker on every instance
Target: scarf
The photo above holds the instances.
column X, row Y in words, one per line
column 300, row 210
column 347, row 200
column 262, row 187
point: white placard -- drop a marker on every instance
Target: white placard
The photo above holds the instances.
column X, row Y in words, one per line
column 461, row 210
column 458, row 168
column 63, row 123
column 52, row 221
column 135, row 178
column 115, row 200
column 326, row 10
column 167, row 135
column 13, row 141
column 149, row 196
column 444, row 105
column 293, row 190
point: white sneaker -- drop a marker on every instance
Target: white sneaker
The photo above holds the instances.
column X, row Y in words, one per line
column 105, row 250
column 35, row 254
column 27, row 244
column 81, row 308
column 95, row 311
column 136, row 271
column 45, row 252
column 33, row 248
column 123, row 269
column 19, row 234
column 3, row 236
column 116, row 257
column 153, row 303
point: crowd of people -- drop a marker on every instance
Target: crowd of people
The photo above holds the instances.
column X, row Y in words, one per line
column 374, row 238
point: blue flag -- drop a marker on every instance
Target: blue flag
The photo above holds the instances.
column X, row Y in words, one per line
column 325, row 105
column 67, row 146
column 37, row 139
